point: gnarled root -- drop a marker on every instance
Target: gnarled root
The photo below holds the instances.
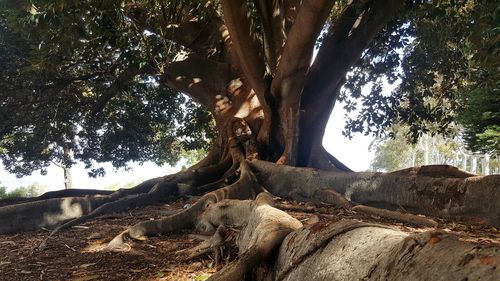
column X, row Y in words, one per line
column 403, row 217
column 422, row 190
column 160, row 192
column 212, row 244
column 263, row 229
column 246, row 187
column 48, row 213
column 68, row 211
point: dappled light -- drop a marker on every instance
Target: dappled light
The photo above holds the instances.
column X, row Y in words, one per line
column 234, row 81
column 68, row 210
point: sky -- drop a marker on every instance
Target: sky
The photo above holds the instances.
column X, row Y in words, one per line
column 353, row 153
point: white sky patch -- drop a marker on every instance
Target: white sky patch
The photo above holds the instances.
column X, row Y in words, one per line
column 353, row 152
column 54, row 180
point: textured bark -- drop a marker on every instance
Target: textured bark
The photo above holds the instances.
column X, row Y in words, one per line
column 48, row 213
column 447, row 194
column 350, row 250
column 193, row 75
column 245, row 45
column 287, row 85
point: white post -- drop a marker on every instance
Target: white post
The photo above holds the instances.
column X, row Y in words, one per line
column 474, row 164
column 486, row 164
column 426, row 150
column 464, row 163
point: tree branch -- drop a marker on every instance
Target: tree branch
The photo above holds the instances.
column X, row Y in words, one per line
column 288, row 82
column 291, row 8
column 194, row 76
column 244, row 44
column 341, row 48
column 202, row 38
column 125, row 76
column 298, row 49
column 346, row 40
column 273, row 22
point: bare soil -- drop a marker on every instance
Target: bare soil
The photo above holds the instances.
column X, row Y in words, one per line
column 74, row 254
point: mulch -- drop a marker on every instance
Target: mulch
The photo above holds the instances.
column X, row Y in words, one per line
column 74, row 254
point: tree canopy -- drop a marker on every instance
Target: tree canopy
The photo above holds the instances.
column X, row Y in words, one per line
column 89, row 80
column 76, row 76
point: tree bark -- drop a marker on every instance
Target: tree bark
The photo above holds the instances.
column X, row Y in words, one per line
column 350, row 250
column 433, row 190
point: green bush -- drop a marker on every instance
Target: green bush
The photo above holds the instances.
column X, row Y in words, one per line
column 31, row 190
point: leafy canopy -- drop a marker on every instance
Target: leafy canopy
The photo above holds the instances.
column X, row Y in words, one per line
column 444, row 56
column 78, row 84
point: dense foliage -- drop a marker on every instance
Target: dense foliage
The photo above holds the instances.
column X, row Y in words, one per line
column 77, row 85
column 31, row 190
column 444, row 57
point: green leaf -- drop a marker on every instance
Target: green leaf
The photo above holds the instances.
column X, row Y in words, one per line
column 202, row 277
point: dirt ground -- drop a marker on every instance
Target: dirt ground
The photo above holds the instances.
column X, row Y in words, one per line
column 74, row 254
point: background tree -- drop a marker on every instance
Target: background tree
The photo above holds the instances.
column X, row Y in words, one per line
column 105, row 78
column 397, row 151
column 28, row 191
column 481, row 116
column 444, row 79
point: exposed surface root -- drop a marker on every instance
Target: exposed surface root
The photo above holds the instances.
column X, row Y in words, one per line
column 246, row 187
column 273, row 244
column 331, row 197
column 52, row 212
column 309, row 240
column 160, row 192
column 68, row 211
column 407, row 218
column 263, row 229
column 213, row 244
column 435, row 171
column 349, row 250
column 158, row 258
column 55, row 194
column 421, row 190
column 45, row 213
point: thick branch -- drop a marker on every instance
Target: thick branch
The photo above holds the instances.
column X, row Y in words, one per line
column 288, row 83
column 245, row 44
column 298, row 49
column 186, row 30
column 200, row 78
column 271, row 14
column 341, row 48
column 291, row 9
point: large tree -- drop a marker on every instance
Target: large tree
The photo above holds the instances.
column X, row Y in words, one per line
column 101, row 81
